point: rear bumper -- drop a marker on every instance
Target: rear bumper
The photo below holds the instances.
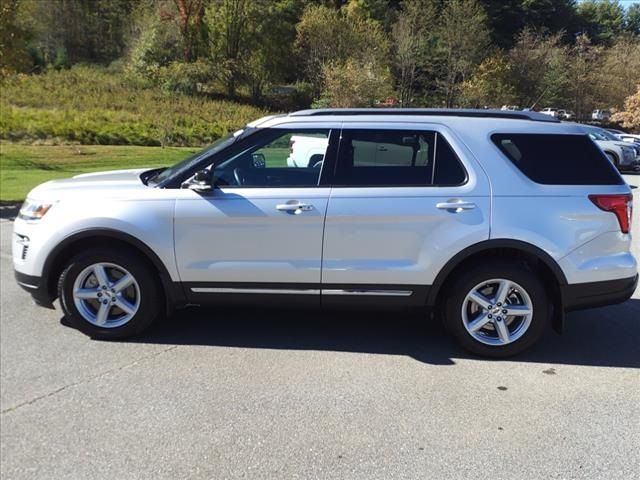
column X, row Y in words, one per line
column 36, row 287
column 579, row 296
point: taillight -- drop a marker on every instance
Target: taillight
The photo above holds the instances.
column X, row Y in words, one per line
column 621, row 205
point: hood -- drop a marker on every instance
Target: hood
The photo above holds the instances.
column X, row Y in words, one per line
column 111, row 183
column 613, row 143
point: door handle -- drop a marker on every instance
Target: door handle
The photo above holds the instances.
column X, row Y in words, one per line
column 456, row 205
column 294, row 206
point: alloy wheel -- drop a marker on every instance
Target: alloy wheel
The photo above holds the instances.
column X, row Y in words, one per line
column 497, row 312
column 106, row 295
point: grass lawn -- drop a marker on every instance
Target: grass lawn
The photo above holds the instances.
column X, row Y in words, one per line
column 275, row 157
column 22, row 167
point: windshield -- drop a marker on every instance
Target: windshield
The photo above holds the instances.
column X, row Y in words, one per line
column 600, row 134
column 609, row 135
column 185, row 164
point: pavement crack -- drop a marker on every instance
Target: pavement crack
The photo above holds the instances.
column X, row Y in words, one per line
column 87, row 380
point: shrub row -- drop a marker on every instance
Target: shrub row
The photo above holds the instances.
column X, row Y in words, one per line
column 90, row 105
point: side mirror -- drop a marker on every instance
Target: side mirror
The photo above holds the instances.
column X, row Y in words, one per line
column 201, row 182
column 258, row 160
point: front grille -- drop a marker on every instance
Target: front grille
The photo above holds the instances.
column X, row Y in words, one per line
column 25, row 250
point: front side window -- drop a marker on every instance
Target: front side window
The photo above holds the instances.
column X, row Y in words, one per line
column 396, row 158
column 281, row 158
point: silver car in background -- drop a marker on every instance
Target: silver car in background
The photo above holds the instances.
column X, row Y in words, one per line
column 624, row 155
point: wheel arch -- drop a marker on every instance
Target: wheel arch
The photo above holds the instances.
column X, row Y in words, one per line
column 67, row 248
column 534, row 256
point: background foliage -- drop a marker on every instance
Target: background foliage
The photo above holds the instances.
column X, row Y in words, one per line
column 184, row 72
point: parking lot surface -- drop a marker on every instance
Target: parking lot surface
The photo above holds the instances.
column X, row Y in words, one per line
column 233, row 393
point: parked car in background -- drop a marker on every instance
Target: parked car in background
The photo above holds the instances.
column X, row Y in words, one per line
column 497, row 221
column 306, row 151
column 566, row 114
column 628, row 137
column 615, row 131
column 623, row 155
column 510, row 108
column 600, row 115
column 552, row 112
column 634, row 142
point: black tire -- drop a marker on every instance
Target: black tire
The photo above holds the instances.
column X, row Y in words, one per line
column 465, row 282
column 149, row 293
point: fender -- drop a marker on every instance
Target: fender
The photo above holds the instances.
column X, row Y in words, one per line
column 461, row 256
column 174, row 290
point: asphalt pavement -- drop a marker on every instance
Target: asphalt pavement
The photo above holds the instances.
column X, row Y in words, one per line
column 254, row 394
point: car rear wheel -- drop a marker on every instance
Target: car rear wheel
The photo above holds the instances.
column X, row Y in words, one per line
column 109, row 294
column 497, row 310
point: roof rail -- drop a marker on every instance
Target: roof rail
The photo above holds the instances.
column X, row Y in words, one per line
column 435, row 112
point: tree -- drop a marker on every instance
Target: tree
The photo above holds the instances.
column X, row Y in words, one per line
column 328, row 37
column 491, row 84
column 632, row 19
column 354, row 84
column 630, row 116
column 13, row 38
column 192, row 28
column 155, row 41
column 231, row 26
column 251, row 42
column 414, row 46
column 507, row 18
column 602, row 20
column 537, row 68
column 272, row 51
column 550, row 16
column 464, row 40
column 381, row 11
column 618, row 72
column 582, row 73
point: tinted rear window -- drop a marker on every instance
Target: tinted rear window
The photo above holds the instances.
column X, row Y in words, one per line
column 558, row 159
column 397, row 158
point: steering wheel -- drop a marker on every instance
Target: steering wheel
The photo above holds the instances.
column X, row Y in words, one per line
column 238, row 176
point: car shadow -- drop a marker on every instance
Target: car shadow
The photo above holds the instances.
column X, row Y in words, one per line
column 606, row 337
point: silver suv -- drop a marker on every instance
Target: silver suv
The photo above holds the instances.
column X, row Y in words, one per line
column 498, row 221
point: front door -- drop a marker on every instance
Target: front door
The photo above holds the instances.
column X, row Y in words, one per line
column 259, row 231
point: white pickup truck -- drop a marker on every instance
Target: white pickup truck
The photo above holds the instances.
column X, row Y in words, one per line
column 306, row 151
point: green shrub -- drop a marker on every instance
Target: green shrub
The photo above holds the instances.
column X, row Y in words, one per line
column 181, row 77
column 91, row 105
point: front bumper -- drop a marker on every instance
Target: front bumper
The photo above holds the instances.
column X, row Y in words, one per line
column 36, row 287
column 578, row 296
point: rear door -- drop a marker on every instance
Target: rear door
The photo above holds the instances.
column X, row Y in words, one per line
column 405, row 199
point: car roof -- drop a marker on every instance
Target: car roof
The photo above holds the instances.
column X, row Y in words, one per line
column 426, row 112
column 473, row 127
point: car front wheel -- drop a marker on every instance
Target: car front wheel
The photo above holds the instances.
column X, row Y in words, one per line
column 109, row 294
column 497, row 310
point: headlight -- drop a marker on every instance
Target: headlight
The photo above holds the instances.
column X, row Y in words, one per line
column 33, row 210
